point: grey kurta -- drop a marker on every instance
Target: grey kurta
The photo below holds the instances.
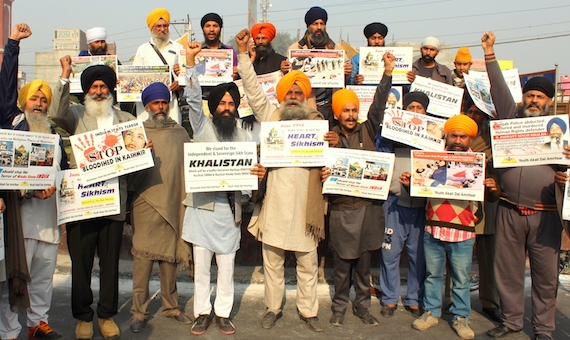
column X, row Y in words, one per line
column 354, row 232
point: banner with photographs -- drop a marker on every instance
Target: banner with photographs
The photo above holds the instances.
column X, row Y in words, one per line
column 444, row 100
column 212, row 66
column 365, row 96
column 134, row 79
column 77, row 201
column 529, row 141
column 78, row 64
column 448, row 174
column 414, row 129
column 371, row 65
column 28, row 160
column 359, row 173
column 294, row 143
column 325, row 68
column 268, row 83
column 479, row 87
column 113, row 152
column 219, row 166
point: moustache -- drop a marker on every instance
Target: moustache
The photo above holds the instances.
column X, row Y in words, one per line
column 160, row 111
column 38, row 108
column 102, row 96
column 533, row 105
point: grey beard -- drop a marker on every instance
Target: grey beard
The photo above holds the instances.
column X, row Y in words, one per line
column 319, row 41
column 158, row 121
column 543, row 112
column 294, row 112
column 97, row 109
column 38, row 123
column 160, row 42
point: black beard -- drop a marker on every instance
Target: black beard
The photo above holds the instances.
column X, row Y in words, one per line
column 319, row 40
column 458, row 147
column 225, row 125
column 98, row 50
column 216, row 39
column 263, row 51
column 427, row 58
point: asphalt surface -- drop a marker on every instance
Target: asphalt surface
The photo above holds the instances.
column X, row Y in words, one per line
column 249, row 308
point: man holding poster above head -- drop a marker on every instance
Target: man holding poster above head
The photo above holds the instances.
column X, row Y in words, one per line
column 356, row 224
column 527, row 218
column 427, row 67
column 375, row 34
column 161, row 50
column 157, row 221
column 103, row 235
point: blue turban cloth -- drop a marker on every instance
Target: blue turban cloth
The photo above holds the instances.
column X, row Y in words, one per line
column 155, row 91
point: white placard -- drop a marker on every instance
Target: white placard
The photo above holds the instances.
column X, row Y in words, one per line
column 444, row 100
column 479, row 87
column 325, row 68
column 212, row 66
column 414, row 129
column 365, row 96
column 134, row 79
column 372, row 66
column 79, row 64
column 268, row 83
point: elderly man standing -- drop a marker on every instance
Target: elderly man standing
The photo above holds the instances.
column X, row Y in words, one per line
column 97, row 41
column 37, row 208
column 157, row 221
column 527, row 220
column 426, row 66
column 284, row 223
column 101, row 235
column 161, row 50
column 375, row 34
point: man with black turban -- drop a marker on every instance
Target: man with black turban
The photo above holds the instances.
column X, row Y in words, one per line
column 103, row 235
column 527, row 217
column 375, row 34
column 212, row 219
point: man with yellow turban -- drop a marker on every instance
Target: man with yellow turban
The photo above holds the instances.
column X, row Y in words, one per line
column 463, row 62
column 37, row 207
column 356, row 224
column 282, row 223
column 161, row 50
column 450, row 232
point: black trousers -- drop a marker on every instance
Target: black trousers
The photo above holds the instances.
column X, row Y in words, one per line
column 83, row 239
column 343, row 272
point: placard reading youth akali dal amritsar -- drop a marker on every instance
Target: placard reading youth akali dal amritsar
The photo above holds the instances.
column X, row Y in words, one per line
column 297, row 143
column 325, row 68
column 28, row 160
column 444, row 100
column 529, row 141
column 77, row 201
column 219, row 166
column 359, row 173
column 107, row 153
column 420, row 131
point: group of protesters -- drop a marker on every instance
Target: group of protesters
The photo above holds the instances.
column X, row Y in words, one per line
column 179, row 230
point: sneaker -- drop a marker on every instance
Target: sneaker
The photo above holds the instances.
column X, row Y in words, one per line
column 137, row 325
column 388, row 311
column 337, row 319
column 43, row 331
column 366, row 317
column 109, row 329
column 462, row 329
column 226, row 325
column 84, row 330
column 269, row 319
column 425, row 321
column 201, row 324
column 313, row 322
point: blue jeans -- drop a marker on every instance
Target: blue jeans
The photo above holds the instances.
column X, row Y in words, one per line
column 459, row 255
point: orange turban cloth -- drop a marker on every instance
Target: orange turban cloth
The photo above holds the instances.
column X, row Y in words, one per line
column 463, row 55
column 342, row 97
column 293, row 77
column 157, row 14
column 31, row 88
column 461, row 123
column 266, row 28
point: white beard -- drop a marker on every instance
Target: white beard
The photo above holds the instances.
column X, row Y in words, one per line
column 97, row 109
column 161, row 42
column 294, row 112
column 38, row 123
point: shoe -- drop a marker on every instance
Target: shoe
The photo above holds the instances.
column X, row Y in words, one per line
column 461, row 327
column 269, row 319
column 84, row 330
column 416, row 312
column 493, row 314
column 425, row 321
column 109, row 329
column 367, row 318
column 500, row 331
column 337, row 319
column 201, row 324
column 226, row 325
column 43, row 331
column 137, row 325
column 388, row 311
column 181, row 318
column 542, row 337
column 313, row 322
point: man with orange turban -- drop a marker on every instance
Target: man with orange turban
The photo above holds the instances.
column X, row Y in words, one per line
column 262, row 54
column 282, row 223
column 41, row 233
column 356, row 224
column 450, row 232
column 161, row 50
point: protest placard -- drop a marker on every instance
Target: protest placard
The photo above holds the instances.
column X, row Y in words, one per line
column 365, row 96
column 359, row 173
column 77, row 201
column 297, row 143
column 444, row 100
column 371, row 65
column 325, row 68
column 134, row 79
column 414, row 129
column 448, row 174
column 111, row 152
column 479, row 87
column 79, row 64
column 212, row 66
column 268, row 83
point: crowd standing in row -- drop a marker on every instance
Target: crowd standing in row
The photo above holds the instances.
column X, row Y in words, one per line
column 519, row 213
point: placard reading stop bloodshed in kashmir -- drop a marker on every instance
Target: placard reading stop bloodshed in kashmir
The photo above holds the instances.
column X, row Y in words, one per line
column 112, row 152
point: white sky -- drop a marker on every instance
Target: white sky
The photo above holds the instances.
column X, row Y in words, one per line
column 535, row 34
